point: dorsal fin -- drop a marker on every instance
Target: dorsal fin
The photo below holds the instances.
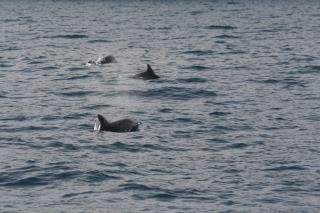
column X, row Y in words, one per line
column 151, row 73
column 149, row 70
column 103, row 122
column 148, row 74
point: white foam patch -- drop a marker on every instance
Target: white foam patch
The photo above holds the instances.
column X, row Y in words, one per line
column 97, row 125
column 99, row 59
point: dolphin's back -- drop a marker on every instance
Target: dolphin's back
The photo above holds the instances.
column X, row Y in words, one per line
column 147, row 75
column 124, row 125
column 106, row 60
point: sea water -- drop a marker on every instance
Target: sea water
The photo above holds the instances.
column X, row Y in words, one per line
column 232, row 125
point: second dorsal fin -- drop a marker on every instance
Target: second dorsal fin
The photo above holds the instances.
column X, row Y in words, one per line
column 150, row 73
column 149, row 69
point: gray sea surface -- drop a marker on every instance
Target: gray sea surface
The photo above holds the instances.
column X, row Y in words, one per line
column 232, row 125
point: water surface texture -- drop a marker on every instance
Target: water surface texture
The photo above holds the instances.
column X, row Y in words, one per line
column 231, row 126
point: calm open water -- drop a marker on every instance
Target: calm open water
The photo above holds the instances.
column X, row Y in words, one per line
column 231, row 126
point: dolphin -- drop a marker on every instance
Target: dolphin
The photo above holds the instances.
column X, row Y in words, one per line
column 123, row 125
column 147, row 75
column 104, row 60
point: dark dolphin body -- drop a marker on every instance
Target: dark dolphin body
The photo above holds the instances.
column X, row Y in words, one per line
column 147, row 75
column 105, row 60
column 123, row 125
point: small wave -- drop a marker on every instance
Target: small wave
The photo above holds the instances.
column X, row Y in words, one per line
column 217, row 140
column 99, row 41
column 12, row 48
column 238, row 146
column 36, row 62
column 77, row 68
column 103, row 149
column 199, row 52
column 27, row 182
column 192, row 80
column 266, row 81
column 176, row 93
column 125, row 147
column 270, row 81
column 184, row 120
column 310, row 69
column 269, row 200
column 65, row 146
column 171, row 195
column 154, row 192
column 164, row 28
column 220, row 27
column 162, row 148
column 178, row 38
column 33, row 176
column 232, row 171
column 95, row 73
column 98, row 176
column 41, row 57
column 226, row 36
column 49, row 118
column 220, row 42
column 138, row 112
column 219, row 113
column 3, row 65
column 285, row 168
column 77, row 77
column 50, row 68
column 287, row 82
column 3, row 94
column 235, row 52
column 97, row 106
column 76, row 194
column 165, row 110
column 64, row 175
column 135, row 186
column 11, row 20
column 30, row 128
column 76, row 93
column 68, row 36
column 196, row 67
column 140, row 147
column 197, row 12
column 157, row 196
column 233, row 2
column 287, row 189
column 305, row 58
column 222, row 128
column 48, row 176
column 75, row 116
column 15, row 118
column 134, row 148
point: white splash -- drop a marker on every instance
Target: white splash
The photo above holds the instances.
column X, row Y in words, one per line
column 97, row 125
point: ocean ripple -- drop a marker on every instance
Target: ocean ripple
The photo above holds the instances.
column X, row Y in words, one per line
column 220, row 27
column 176, row 93
column 68, row 36
column 235, row 112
